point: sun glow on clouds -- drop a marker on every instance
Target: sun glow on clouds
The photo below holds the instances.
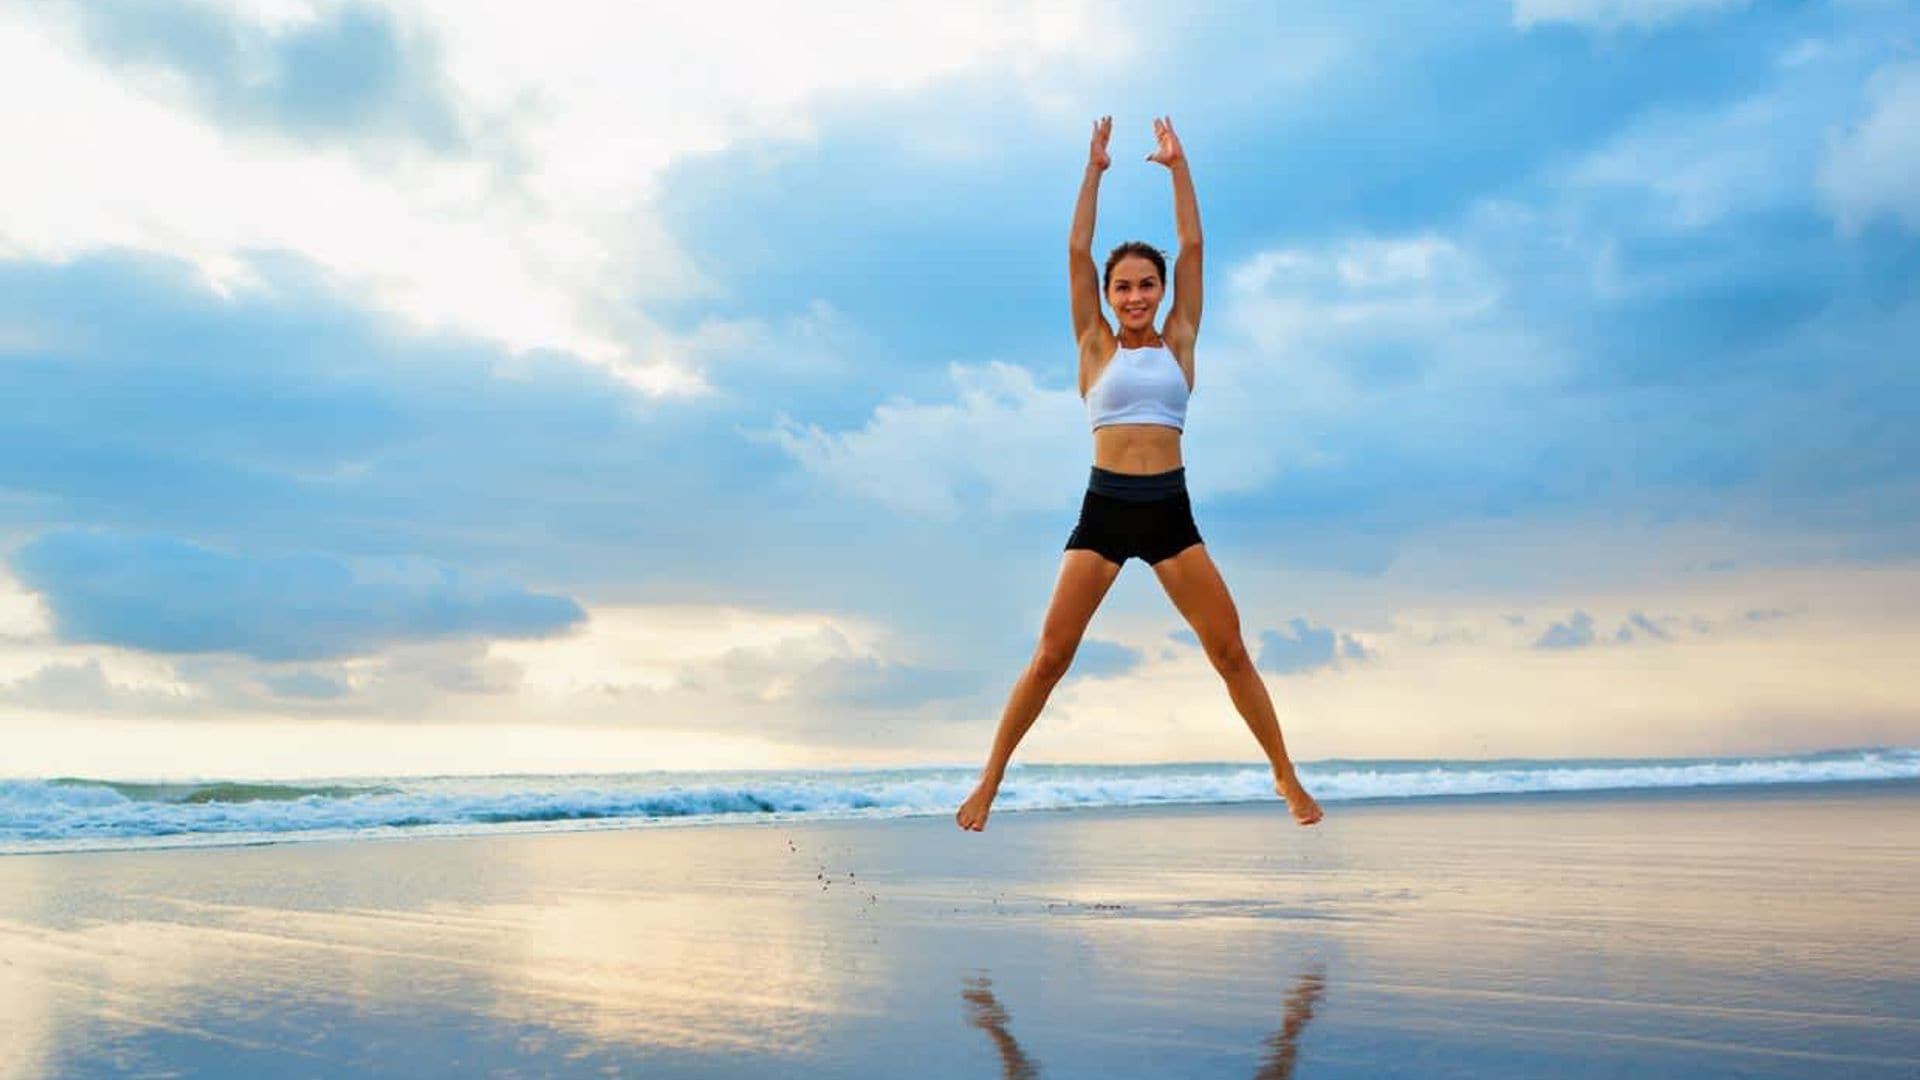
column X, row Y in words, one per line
column 1821, row 663
column 539, row 232
column 655, row 647
column 28, row 649
column 1732, row 663
column 22, row 614
column 623, row 692
column 148, row 748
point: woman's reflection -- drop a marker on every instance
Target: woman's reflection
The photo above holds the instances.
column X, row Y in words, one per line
column 1284, row 1045
column 985, row 1012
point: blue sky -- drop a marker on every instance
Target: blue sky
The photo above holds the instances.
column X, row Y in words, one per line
column 425, row 368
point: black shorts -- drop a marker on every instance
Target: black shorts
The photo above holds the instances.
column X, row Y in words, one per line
column 1124, row 515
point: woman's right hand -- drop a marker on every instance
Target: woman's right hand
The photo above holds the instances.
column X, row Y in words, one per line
column 1097, row 154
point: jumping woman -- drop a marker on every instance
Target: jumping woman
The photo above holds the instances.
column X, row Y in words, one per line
column 1136, row 384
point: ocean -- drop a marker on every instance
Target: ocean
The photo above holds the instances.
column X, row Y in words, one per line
column 82, row 814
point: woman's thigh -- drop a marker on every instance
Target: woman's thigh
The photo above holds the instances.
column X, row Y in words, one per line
column 1085, row 577
column 1196, row 588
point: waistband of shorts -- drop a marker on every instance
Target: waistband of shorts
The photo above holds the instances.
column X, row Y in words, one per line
column 1138, row 487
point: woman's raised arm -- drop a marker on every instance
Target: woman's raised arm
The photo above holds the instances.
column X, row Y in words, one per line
column 1081, row 273
column 1183, row 321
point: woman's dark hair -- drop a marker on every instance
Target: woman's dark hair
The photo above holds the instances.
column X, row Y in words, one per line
column 1134, row 247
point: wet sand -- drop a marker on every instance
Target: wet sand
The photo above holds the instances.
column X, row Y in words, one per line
column 1750, row 932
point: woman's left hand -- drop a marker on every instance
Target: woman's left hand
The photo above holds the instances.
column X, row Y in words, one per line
column 1169, row 152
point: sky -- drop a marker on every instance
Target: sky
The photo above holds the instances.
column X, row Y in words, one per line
column 433, row 387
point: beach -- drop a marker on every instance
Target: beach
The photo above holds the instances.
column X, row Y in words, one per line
column 1734, row 931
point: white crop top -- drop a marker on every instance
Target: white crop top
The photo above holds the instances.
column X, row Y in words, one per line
column 1139, row 386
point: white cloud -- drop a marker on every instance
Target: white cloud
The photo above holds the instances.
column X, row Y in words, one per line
column 1005, row 445
column 23, row 616
column 277, row 14
column 149, row 747
column 813, row 344
column 1313, row 341
column 1612, row 13
column 1873, row 169
column 1698, row 167
column 545, row 236
column 92, row 678
column 1411, row 282
column 1802, row 143
column 660, row 667
column 653, row 648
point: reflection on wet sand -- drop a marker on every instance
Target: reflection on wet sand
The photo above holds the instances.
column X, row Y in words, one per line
column 985, row 1012
column 1283, row 1046
column 737, row 976
column 648, row 967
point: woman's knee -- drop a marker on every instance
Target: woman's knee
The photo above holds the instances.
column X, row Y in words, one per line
column 1229, row 656
column 1051, row 659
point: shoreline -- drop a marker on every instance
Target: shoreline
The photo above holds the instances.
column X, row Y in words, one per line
column 462, row 831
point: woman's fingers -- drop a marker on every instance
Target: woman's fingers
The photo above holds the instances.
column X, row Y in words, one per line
column 1164, row 139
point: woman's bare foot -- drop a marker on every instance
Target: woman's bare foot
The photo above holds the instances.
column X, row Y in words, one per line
column 1305, row 810
column 972, row 814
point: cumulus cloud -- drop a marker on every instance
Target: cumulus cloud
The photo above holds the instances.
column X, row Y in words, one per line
column 1638, row 623
column 525, row 215
column 824, row 668
column 1689, row 168
column 306, row 684
column 352, row 71
column 1872, row 170
column 23, row 617
column 1385, row 282
column 414, row 680
column 1304, row 646
column 87, row 686
column 1576, row 632
column 942, row 459
column 1582, row 628
column 166, row 595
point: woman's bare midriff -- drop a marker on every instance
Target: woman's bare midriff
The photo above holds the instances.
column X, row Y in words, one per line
column 1137, row 448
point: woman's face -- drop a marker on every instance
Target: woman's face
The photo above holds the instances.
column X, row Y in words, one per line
column 1134, row 291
